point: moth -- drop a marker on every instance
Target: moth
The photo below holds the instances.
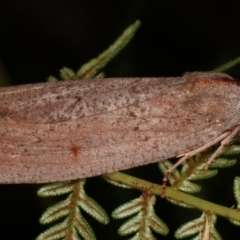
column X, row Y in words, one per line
column 69, row 130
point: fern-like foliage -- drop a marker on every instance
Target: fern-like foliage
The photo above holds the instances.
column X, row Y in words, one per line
column 236, row 191
column 70, row 209
column 142, row 207
column 194, row 169
column 144, row 219
column 203, row 227
column 92, row 68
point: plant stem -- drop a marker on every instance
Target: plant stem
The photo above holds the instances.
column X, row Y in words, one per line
column 174, row 194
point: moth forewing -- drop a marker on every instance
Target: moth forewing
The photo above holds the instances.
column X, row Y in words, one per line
column 77, row 129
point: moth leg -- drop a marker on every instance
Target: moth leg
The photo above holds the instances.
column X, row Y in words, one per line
column 225, row 138
column 224, row 142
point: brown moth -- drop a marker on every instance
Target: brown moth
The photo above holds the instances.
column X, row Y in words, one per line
column 77, row 129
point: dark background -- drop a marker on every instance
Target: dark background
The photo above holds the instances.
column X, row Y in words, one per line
column 40, row 37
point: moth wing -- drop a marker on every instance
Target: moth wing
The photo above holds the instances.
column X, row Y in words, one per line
column 143, row 121
column 63, row 101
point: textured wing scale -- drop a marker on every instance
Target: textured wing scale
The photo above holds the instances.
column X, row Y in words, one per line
column 68, row 130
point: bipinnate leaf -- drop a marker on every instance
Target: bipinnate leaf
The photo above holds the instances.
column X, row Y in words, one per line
column 73, row 224
column 144, row 221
